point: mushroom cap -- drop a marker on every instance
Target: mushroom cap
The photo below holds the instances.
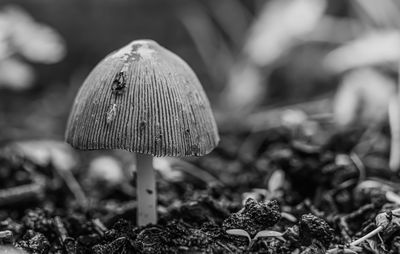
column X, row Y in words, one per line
column 145, row 99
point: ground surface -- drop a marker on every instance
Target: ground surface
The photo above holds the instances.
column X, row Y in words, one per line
column 301, row 194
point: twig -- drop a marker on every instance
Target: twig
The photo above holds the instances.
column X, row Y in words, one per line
column 344, row 229
column 343, row 250
column 23, row 193
column 62, row 232
column 364, row 144
column 359, row 165
column 73, row 186
column 367, row 236
column 394, row 121
column 224, row 246
column 360, row 211
column 192, row 170
column 68, row 242
column 370, row 234
column 289, row 217
column 313, row 209
column 99, row 226
column 331, row 202
column 270, row 117
column 356, row 242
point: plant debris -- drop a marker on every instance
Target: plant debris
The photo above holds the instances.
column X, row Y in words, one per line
column 322, row 203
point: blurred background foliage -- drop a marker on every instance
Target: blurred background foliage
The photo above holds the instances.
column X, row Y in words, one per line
column 256, row 59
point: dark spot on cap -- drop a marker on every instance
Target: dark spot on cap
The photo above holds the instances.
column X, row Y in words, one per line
column 135, row 46
column 142, row 125
column 195, row 149
column 149, row 191
column 119, row 83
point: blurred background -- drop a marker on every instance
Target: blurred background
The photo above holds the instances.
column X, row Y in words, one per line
column 269, row 61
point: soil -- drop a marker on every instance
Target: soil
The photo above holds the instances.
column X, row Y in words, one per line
column 298, row 194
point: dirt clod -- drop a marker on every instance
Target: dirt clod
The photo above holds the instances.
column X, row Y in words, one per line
column 254, row 217
column 312, row 227
column 34, row 242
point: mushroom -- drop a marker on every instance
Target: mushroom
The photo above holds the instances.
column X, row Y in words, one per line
column 145, row 99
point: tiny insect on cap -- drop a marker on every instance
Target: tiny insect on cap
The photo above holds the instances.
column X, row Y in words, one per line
column 143, row 98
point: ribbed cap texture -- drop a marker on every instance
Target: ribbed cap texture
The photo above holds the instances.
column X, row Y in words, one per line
column 143, row 98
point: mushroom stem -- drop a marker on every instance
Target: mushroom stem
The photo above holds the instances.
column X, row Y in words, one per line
column 146, row 190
